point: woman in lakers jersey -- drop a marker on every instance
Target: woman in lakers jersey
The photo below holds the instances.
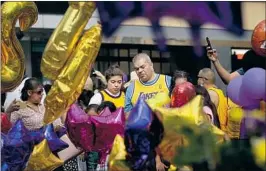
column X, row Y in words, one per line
column 113, row 93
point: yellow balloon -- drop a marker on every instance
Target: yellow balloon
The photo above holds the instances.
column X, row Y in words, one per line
column 258, row 146
column 42, row 159
column 65, row 37
column 174, row 118
column 160, row 99
column 12, row 55
column 70, row 82
column 117, row 158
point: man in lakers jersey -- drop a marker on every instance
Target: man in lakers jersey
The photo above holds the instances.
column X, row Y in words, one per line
column 148, row 84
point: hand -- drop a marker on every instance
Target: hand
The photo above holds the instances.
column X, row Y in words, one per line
column 160, row 166
column 14, row 106
column 212, row 54
column 100, row 76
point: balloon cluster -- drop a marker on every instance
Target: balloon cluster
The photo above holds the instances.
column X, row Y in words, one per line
column 248, row 90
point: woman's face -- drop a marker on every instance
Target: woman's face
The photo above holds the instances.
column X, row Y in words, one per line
column 114, row 84
column 35, row 96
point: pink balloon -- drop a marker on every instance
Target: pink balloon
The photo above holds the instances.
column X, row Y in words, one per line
column 107, row 126
column 80, row 128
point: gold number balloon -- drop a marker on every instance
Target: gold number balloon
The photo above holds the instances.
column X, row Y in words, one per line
column 70, row 82
column 42, row 159
column 12, row 55
column 65, row 37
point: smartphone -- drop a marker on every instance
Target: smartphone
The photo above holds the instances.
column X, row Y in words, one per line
column 92, row 73
column 209, row 43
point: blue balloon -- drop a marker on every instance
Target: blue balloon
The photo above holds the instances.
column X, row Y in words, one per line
column 17, row 146
column 54, row 142
column 140, row 116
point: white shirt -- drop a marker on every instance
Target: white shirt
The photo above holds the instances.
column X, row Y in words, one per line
column 97, row 98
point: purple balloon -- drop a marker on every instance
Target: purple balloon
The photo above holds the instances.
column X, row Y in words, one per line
column 79, row 128
column 237, row 95
column 140, row 116
column 253, row 83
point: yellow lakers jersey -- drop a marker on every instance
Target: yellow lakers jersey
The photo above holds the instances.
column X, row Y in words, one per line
column 222, row 107
column 150, row 90
column 118, row 101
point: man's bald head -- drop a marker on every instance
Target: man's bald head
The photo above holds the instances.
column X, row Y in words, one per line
column 208, row 75
column 143, row 67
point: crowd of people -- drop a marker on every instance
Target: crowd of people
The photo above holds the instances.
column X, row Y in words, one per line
column 117, row 92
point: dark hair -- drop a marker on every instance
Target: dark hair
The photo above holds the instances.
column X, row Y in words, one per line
column 92, row 106
column 30, row 84
column 47, row 88
column 3, row 99
column 105, row 104
column 207, row 102
column 113, row 70
column 178, row 74
column 251, row 60
column 85, row 97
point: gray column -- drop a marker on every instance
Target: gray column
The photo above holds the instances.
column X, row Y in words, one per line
column 26, row 45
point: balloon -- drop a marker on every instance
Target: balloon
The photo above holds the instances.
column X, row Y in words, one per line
column 173, row 120
column 160, row 99
column 258, row 39
column 17, row 147
column 258, row 146
column 182, row 94
column 117, row 158
column 5, row 123
column 140, row 116
column 54, row 142
column 253, row 83
column 106, row 129
column 12, row 55
column 42, row 158
column 65, row 37
column 235, row 115
column 70, row 82
column 79, row 128
column 237, row 95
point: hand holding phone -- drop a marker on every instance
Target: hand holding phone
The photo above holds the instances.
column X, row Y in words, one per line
column 211, row 53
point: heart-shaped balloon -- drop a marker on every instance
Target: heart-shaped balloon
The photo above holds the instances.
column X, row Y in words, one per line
column 140, row 116
column 80, row 128
column 106, row 129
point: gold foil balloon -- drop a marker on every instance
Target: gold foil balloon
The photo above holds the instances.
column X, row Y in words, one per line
column 12, row 55
column 42, row 159
column 174, row 118
column 70, row 82
column 117, row 158
column 65, row 37
column 258, row 145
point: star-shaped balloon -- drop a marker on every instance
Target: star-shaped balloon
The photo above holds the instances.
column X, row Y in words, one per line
column 117, row 158
column 173, row 120
column 80, row 128
column 106, row 129
column 224, row 14
column 17, row 147
column 42, row 158
column 54, row 142
column 140, row 116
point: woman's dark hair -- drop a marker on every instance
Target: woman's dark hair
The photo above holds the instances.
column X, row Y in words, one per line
column 3, row 99
column 47, row 88
column 105, row 104
column 251, row 60
column 178, row 74
column 207, row 102
column 92, row 106
column 113, row 70
column 30, row 84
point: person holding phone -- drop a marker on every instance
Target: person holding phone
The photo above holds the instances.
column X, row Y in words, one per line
column 250, row 60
